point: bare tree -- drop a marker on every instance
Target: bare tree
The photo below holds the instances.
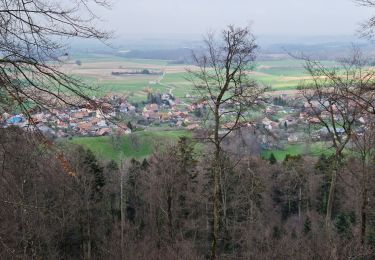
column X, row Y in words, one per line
column 367, row 27
column 222, row 79
column 329, row 94
column 364, row 144
column 33, row 46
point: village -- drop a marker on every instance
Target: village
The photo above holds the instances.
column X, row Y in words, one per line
column 113, row 116
column 282, row 119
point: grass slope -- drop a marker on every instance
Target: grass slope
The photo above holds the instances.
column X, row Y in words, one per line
column 148, row 141
column 314, row 149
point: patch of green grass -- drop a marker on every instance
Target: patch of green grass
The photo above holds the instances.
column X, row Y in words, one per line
column 288, row 63
column 109, row 148
column 315, row 149
column 285, row 72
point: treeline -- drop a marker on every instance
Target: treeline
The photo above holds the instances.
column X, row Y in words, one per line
column 160, row 207
column 178, row 54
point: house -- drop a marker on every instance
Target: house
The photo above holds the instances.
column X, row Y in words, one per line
column 266, row 122
column 303, row 115
column 324, row 131
column 122, row 129
column 15, row 119
column 229, row 125
column 193, row 127
column 361, row 120
column 166, row 96
column 131, row 108
column 103, row 131
column 99, row 114
column 274, row 125
column 84, row 126
column 165, row 116
column 106, row 108
column 79, row 115
column 61, row 134
column 293, row 138
column 153, row 115
column 62, row 124
column 289, row 121
column 314, row 120
column 179, row 123
column 102, row 123
column 95, row 120
column 151, row 107
column 38, row 118
column 5, row 116
column 124, row 107
column 46, row 130
column 313, row 103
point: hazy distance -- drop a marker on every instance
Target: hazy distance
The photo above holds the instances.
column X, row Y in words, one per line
column 297, row 18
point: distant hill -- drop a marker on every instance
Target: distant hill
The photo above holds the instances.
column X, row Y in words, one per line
column 181, row 54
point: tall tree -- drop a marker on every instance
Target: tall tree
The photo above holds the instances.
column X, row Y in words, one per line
column 364, row 144
column 222, row 79
column 329, row 95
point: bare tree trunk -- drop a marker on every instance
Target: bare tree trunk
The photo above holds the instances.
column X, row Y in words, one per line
column 88, row 256
column 223, row 199
column 364, row 201
column 331, row 192
column 216, row 214
column 23, row 225
column 216, row 188
column 122, row 211
column 169, row 212
column 89, row 242
column 299, row 204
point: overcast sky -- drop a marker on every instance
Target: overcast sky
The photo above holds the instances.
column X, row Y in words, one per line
column 268, row 17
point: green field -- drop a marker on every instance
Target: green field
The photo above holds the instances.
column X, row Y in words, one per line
column 96, row 71
column 116, row 149
column 314, row 149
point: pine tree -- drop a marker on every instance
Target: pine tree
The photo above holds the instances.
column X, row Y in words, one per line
column 97, row 171
column 307, row 226
column 272, row 159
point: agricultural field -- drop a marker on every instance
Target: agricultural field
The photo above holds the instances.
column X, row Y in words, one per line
column 96, row 71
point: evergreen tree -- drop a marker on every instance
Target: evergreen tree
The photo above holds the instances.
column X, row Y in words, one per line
column 97, row 172
column 272, row 159
column 307, row 226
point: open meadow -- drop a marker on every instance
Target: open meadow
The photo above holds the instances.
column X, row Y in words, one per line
column 137, row 145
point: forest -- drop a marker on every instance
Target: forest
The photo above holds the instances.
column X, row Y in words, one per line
column 160, row 207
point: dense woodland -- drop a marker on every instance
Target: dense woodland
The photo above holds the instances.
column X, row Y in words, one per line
column 160, row 208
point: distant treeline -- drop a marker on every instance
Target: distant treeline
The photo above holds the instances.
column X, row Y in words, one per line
column 180, row 56
column 137, row 72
